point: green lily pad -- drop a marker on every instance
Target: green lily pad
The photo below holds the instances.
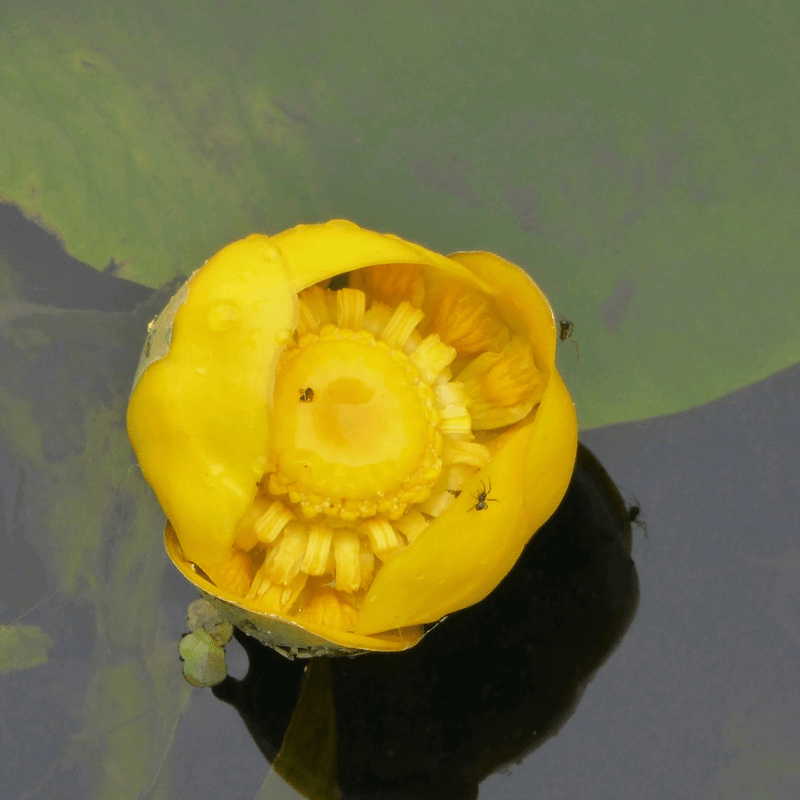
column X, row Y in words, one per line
column 639, row 160
column 127, row 135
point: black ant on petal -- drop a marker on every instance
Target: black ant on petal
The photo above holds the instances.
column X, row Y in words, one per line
column 306, row 395
column 483, row 497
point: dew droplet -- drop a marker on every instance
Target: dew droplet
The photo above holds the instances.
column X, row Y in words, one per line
column 222, row 316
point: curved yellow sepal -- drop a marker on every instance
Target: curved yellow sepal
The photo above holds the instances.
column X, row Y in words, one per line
column 198, row 418
column 315, row 253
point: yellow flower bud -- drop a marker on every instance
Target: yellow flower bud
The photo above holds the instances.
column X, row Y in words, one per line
column 341, row 466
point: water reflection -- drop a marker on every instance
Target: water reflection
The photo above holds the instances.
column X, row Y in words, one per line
column 491, row 683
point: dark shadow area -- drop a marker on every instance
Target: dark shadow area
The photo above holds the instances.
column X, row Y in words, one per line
column 44, row 274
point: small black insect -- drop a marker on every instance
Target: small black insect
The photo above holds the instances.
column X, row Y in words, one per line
column 566, row 328
column 306, row 395
column 634, row 517
column 483, row 497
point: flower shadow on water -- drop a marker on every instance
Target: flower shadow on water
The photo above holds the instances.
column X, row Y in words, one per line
column 490, row 684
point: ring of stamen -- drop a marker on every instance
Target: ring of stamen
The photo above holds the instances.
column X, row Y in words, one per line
column 368, row 442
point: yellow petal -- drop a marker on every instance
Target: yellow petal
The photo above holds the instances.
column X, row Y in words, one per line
column 316, row 253
column 461, row 556
column 198, row 418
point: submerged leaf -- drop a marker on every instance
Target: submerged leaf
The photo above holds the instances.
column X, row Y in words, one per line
column 22, row 647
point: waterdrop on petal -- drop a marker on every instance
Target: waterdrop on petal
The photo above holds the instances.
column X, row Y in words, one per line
column 222, row 316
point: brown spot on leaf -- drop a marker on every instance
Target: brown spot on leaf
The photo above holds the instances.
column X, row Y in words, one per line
column 614, row 308
column 446, row 175
column 523, row 201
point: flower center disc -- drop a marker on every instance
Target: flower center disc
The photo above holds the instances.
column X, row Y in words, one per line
column 362, row 429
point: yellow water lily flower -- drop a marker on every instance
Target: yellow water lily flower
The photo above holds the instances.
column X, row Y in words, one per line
column 351, row 435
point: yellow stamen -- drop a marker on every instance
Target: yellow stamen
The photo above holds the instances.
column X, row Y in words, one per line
column 472, row 453
column 290, row 592
column 350, row 305
column 325, row 607
column 466, row 319
column 450, row 393
column 314, row 310
column 431, row 357
column 438, row 502
column 259, row 587
column 454, row 421
column 285, row 560
column 392, row 283
column 401, row 325
column 246, row 537
column 319, row 544
column 366, row 563
column 458, row 475
column 377, row 318
column 346, row 550
column 412, row 343
column 412, row 524
column 277, row 598
column 382, row 536
column 270, row 524
column 236, row 574
column 502, row 387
